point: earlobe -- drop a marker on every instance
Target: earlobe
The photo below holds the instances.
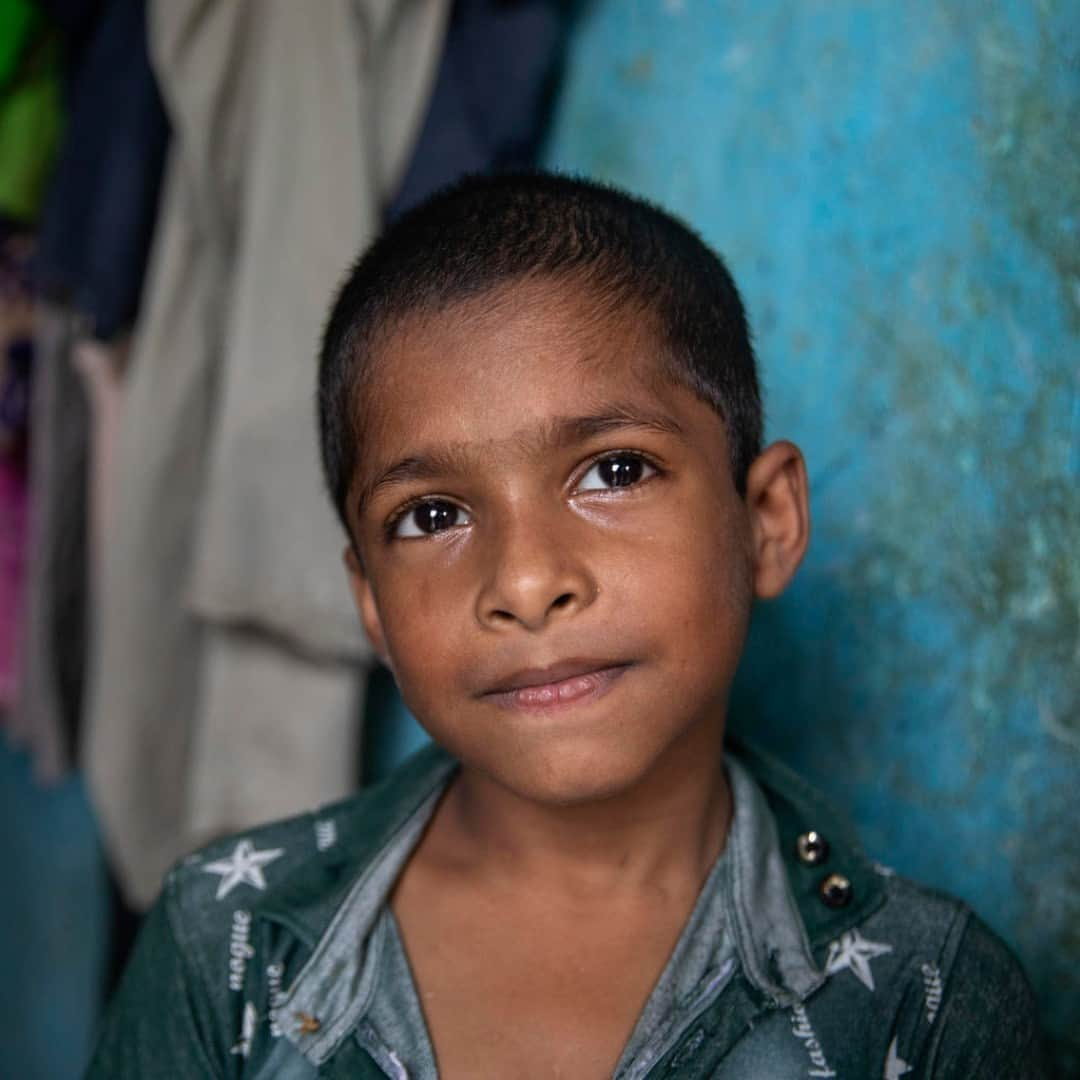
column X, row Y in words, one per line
column 777, row 498
column 364, row 599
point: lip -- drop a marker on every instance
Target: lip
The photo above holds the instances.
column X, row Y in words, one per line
column 565, row 683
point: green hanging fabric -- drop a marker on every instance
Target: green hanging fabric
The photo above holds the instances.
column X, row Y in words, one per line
column 31, row 108
column 19, row 21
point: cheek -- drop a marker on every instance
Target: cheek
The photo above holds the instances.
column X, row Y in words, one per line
column 419, row 620
column 425, row 667
column 701, row 582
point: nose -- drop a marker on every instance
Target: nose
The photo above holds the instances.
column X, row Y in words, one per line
column 535, row 572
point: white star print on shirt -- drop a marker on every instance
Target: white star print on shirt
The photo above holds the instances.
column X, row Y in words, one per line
column 854, row 952
column 242, row 867
column 895, row 1065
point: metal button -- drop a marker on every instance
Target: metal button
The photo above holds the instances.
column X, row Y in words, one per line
column 812, row 848
column 836, row 891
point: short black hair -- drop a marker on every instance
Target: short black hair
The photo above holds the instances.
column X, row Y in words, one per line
column 488, row 231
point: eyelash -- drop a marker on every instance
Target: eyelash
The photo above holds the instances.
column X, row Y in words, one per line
column 391, row 526
column 613, row 455
column 399, row 515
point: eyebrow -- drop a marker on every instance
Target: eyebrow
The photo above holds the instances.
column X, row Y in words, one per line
column 560, row 432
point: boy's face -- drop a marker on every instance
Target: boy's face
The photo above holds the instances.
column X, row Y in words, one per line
column 554, row 559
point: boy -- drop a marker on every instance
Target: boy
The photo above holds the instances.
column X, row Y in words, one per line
column 541, row 427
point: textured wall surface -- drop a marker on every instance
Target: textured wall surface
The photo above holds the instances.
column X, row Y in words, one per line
column 897, row 189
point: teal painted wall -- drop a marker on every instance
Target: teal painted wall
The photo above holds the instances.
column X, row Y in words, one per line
column 897, row 189
column 54, row 941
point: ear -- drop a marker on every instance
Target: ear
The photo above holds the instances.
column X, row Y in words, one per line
column 778, row 503
column 364, row 599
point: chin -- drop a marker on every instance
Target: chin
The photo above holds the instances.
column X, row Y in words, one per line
column 576, row 777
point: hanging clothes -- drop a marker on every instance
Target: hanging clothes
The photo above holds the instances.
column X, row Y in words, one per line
column 31, row 108
column 493, row 94
column 91, row 254
column 30, row 121
column 51, row 648
column 228, row 649
column 15, row 355
column 99, row 220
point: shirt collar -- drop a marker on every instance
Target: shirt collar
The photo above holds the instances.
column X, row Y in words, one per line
column 769, row 933
column 765, row 917
column 333, row 990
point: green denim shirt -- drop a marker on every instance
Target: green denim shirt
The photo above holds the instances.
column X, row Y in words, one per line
column 273, row 954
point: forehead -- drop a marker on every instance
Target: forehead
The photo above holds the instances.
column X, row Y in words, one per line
column 492, row 365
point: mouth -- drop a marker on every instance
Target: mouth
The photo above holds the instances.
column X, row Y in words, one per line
column 568, row 682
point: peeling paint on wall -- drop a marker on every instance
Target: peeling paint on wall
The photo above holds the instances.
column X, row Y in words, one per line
column 1000, row 559
column 1029, row 137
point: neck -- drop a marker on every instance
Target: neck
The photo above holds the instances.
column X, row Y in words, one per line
column 663, row 832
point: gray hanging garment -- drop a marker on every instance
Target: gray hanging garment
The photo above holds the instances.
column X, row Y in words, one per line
column 227, row 637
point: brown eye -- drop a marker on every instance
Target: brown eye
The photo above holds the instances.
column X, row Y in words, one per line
column 616, row 471
column 428, row 518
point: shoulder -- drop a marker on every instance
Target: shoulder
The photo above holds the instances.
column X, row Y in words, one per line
column 929, row 943
column 929, row 988
column 836, row 886
column 975, row 1006
column 204, row 890
column 295, row 871
column 183, row 1001
column 235, row 923
column 920, row 919
column 988, row 1014
column 301, row 860
column 923, row 980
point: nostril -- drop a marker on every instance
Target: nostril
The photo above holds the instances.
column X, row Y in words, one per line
column 561, row 601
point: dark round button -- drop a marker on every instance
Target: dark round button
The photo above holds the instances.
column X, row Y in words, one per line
column 812, row 848
column 835, row 891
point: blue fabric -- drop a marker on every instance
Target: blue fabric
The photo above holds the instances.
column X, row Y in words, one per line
column 100, row 214
column 491, row 100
